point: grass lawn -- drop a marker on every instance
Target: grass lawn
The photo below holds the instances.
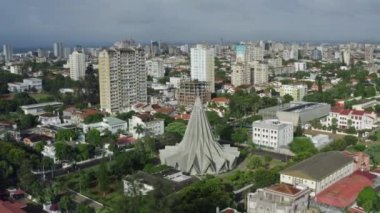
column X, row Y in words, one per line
column 40, row 96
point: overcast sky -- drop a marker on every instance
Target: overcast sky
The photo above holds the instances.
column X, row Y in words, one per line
column 30, row 23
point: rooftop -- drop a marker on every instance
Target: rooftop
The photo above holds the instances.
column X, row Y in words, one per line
column 284, row 188
column 344, row 192
column 319, row 166
column 270, row 124
column 32, row 106
column 113, row 121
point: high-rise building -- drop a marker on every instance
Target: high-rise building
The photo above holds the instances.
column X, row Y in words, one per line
column 189, row 90
column 259, row 73
column 368, row 53
column 7, row 52
column 66, row 52
column 316, row 54
column 296, row 91
column 346, row 57
column 255, row 53
column 58, row 50
column 122, row 78
column 77, row 65
column 202, row 65
column 294, row 52
column 241, row 75
column 240, row 53
column 155, row 67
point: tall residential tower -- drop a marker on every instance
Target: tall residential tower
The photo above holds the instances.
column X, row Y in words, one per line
column 122, row 78
column 7, row 52
column 77, row 65
column 202, row 65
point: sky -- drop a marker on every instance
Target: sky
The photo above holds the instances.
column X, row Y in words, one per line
column 25, row 23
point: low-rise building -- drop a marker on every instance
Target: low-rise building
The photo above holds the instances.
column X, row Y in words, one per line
column 38, row 109
column 272, row 134
column 296, row 91
column 147, row 123
column 279, row 198
column 319, row 172
column 136, row 187
column 27, row 85
column 49, row 119
column 111, row 124
column 345, row 119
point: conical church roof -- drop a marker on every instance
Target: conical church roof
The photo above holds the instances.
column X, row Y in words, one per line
column 198, row 152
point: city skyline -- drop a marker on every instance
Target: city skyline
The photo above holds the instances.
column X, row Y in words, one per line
column 100, row 22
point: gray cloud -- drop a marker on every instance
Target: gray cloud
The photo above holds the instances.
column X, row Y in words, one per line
column 41, row 22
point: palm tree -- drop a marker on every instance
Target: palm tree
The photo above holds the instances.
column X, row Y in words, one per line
column 139, row 129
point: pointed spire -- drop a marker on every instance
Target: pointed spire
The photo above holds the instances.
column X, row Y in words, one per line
column 199, row 153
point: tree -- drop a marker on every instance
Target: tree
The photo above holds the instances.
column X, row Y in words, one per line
column 85, row 151
column 177, row 128
column 102, row 178
column 239, row 135
column 66, row 203
column 93, row 137
column 139, row 129
column 334, row 125
column 63, row 151
column 126, row 116
column 302, row 145
column 66, row 135
column 93, row 118
column 202, row 197
column 288, row 98
column 27, row 121
column 369, row 200
column 39, row 147
column 254, row 162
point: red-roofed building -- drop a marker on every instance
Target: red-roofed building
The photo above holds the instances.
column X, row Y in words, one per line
column 343, row 193
column 360, row 120
column 124, row 140
column 221, row 101
column 183, row 116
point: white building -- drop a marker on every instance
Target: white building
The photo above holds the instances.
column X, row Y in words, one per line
column 49, row 119
column 275, row 62
column 149, row 124
column 26, row 85
column 38, row 109
column 296, row 91
column 319, row 171
column 260, row 73
column 202, row 65
column 300, row 66
column 279, row 198
column 241, row 75
column 111, row 124
column 155, row 67
column 8, row 52
column 272, row 133
column 345, row 119
column 77, row 65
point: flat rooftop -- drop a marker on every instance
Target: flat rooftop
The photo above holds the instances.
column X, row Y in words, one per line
column 32, row 106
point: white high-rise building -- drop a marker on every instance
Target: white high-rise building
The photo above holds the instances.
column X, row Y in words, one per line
column 294, row 52
column 77, row 65
column 202, row 65
column 58, row 49
column 255, row 53
column 155, row 67
column 346, row 57
column 272, row 133
column 259, row 73
column 122, row 78
column 241, row 75
column 7, row 52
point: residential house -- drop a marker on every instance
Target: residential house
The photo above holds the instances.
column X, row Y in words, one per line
column 148, row 123
column 112, row 124
column 345, row 119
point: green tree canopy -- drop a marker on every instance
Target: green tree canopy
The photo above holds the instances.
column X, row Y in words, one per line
column 177, row 128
